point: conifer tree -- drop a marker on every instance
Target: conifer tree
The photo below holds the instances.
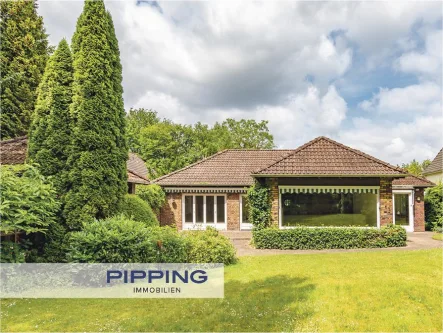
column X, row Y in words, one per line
column 23, row 55
column 50, row 132
column 97, row 162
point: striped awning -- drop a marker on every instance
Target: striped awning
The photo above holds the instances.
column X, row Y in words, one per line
column 329, row 189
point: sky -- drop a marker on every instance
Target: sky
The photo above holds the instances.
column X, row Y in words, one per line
column 367, row 74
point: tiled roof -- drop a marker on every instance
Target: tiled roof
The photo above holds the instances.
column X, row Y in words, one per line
column 232, row 167
column 413, row 181
column 436, row 165
column 13, row 151
column 137, row 171
column 325, row 157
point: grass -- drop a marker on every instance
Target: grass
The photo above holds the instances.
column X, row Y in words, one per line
column 391, row 291
column 326, row 220
column 437, row 236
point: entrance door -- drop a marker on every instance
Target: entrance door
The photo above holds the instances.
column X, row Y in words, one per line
column 403, row 209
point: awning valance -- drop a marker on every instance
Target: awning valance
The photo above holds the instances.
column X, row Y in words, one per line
column 329, row 189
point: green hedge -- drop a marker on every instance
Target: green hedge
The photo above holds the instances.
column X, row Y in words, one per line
column 209, row 246
column 118, row 239
column 303, row 238
column 138, row 210
column 153, row 194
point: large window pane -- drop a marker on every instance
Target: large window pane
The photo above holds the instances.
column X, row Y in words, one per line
column 245, row 209
column 329, row 209
column 188, row 208
column 198, row 209
column 209, row 209
column 220, row 209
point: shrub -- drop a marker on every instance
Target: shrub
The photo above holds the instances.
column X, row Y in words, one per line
column 138, row 210
column 259, row 200
column 434, row 207
column 153, row 194
column 11, row 252
column 29, row 201
column 119, row 239
column 56, row 244
column 209, row 246
column 303, row 238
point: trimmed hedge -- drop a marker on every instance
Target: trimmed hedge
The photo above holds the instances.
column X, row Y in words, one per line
column 303, row 238
column 137, row 209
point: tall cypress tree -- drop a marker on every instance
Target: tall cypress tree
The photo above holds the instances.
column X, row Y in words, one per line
column 50, row 132
column 23, row 55
column 98, row 179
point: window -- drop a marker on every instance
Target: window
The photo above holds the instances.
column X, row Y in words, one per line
column 220, row 209
column 189, row 203
column 244, row 209
column 204, row 209
column 329, row 209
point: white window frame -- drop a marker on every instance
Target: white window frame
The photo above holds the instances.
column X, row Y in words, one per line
column 243, row 225
column 280, row 211
column 202, row 225
column 410, row 227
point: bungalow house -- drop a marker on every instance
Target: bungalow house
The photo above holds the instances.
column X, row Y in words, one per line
column 13, row 151
column 321, row 183
column 434, row 171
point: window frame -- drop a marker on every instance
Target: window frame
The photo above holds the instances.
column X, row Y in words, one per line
column 202, row 225
column 280, row 210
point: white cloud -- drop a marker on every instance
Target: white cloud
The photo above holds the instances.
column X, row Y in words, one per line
column 282, row 62
column 420, row 98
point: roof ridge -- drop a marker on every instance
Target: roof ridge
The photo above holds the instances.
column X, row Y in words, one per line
column 131, row 169
column 189, row 166
column 290, row 154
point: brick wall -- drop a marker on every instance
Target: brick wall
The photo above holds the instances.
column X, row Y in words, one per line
column 233, row 207
column 273, row 185
column 171, row 212
column 419, row 210
column 385, row 201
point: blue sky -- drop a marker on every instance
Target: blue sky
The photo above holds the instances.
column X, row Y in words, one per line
column 368, row 74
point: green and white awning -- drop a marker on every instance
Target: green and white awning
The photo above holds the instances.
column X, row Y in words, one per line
column 205, row 190
column 329, row 189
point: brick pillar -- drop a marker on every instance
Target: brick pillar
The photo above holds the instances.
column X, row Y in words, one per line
column 171, row 212
column 419, row 210
column 273, row 185
column 233, row 207
column 385, row 201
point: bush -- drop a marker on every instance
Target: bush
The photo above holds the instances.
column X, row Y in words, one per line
column 11, row 252
column 303, row 238
column 56, row 244
column 259, row 199
column 153, row 195
column 119, row 239
column 29, row 200
column 434, row 207
column 138, row 210
column 209, row 247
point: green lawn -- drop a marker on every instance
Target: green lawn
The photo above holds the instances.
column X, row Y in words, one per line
column 362, row 291
column 326, row 220
column 437, row 236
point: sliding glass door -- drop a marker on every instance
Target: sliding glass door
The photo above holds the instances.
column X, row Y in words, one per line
column 202, row 210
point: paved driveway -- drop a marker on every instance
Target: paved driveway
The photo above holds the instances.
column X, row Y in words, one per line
column 416, row 241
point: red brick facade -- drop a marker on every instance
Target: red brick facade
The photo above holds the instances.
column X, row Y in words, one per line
column 386, row 201
column 233, row 207
column 419, row 210
column 171, row 212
